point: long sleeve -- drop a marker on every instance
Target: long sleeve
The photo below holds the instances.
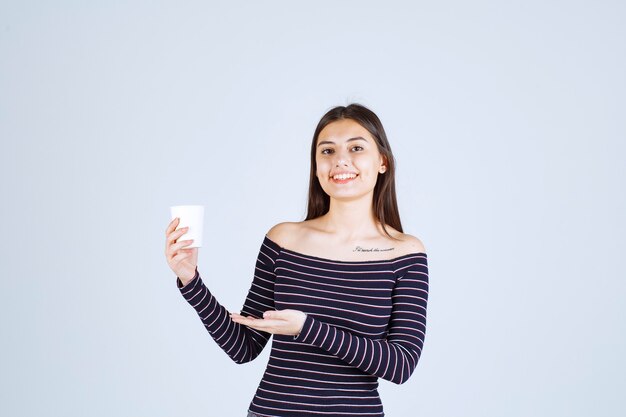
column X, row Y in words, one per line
column 395, row 357
column 241, row 343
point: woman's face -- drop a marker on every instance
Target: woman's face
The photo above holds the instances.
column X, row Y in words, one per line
column 344, row 146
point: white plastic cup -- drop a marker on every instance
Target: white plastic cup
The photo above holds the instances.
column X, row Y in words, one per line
column 192, row 217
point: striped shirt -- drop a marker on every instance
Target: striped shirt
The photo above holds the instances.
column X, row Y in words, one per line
column 364, row 320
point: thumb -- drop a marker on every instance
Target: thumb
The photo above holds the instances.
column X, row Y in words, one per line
column 269, row 314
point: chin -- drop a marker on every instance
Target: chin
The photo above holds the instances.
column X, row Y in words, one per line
column 347, row 194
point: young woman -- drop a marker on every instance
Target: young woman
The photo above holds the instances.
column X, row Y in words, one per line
column 344, row 292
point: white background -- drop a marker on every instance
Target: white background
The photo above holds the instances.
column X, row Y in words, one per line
column 507, row 123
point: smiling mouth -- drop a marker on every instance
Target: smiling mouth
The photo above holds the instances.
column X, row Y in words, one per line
column 343, row 179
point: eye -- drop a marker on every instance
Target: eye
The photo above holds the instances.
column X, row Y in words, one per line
column 357, row 147
column 323, row 152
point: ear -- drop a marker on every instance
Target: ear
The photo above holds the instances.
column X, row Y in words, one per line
column 384, row 165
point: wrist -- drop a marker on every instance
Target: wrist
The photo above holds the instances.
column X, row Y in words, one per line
column 185, row 279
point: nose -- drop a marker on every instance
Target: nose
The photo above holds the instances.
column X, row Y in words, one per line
column 341, row 161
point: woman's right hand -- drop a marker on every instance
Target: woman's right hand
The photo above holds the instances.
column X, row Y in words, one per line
column 182, row 261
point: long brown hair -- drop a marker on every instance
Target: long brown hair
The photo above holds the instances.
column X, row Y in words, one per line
column 384, row 200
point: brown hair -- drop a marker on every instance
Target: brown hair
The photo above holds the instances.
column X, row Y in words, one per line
column 384, row 200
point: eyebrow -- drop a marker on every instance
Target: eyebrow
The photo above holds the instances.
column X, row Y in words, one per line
column 324, row 142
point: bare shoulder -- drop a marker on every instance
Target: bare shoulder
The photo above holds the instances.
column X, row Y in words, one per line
column 282, row 232
column 407, row 243
column 411, row 244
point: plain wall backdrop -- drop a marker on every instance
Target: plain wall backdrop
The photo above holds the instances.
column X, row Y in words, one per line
column 507, row 121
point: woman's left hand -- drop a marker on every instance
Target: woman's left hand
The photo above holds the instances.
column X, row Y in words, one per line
column 288, row 322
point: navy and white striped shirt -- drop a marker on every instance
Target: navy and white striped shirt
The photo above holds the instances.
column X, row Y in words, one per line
column 365, row 320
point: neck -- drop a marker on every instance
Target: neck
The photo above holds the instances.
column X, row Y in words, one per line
column 350, row 219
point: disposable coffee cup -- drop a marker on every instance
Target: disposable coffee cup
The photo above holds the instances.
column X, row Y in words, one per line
column 192, row 217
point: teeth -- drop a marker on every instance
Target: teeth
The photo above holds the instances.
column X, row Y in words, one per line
column 344, row 176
